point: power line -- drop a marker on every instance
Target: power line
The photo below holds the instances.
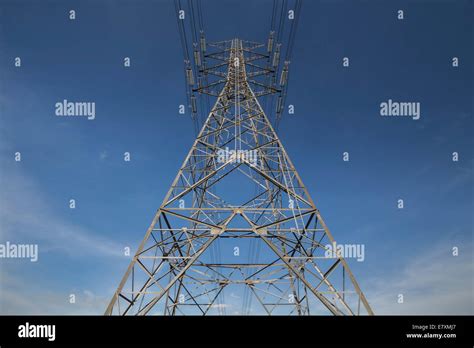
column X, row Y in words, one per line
column 201, row 23
column 274, row 9
column 294, row 26
column 288, row 55
column 193, row 21
column 182, row 30
column 282, row 21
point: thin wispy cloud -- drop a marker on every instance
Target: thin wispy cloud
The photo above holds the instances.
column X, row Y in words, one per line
column 18, row 299
column 103, row 155
column 434, row 282
column 25, row 215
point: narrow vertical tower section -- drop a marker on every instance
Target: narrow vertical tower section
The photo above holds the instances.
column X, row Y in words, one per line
column 238, row 232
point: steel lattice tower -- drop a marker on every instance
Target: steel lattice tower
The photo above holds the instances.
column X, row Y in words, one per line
column 237, row 192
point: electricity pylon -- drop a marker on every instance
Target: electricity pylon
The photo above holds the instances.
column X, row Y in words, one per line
column 238, row 194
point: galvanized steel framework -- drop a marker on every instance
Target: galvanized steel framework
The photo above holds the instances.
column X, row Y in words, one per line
column 176, row 269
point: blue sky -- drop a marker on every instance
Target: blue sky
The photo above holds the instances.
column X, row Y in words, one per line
column 336, row 110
